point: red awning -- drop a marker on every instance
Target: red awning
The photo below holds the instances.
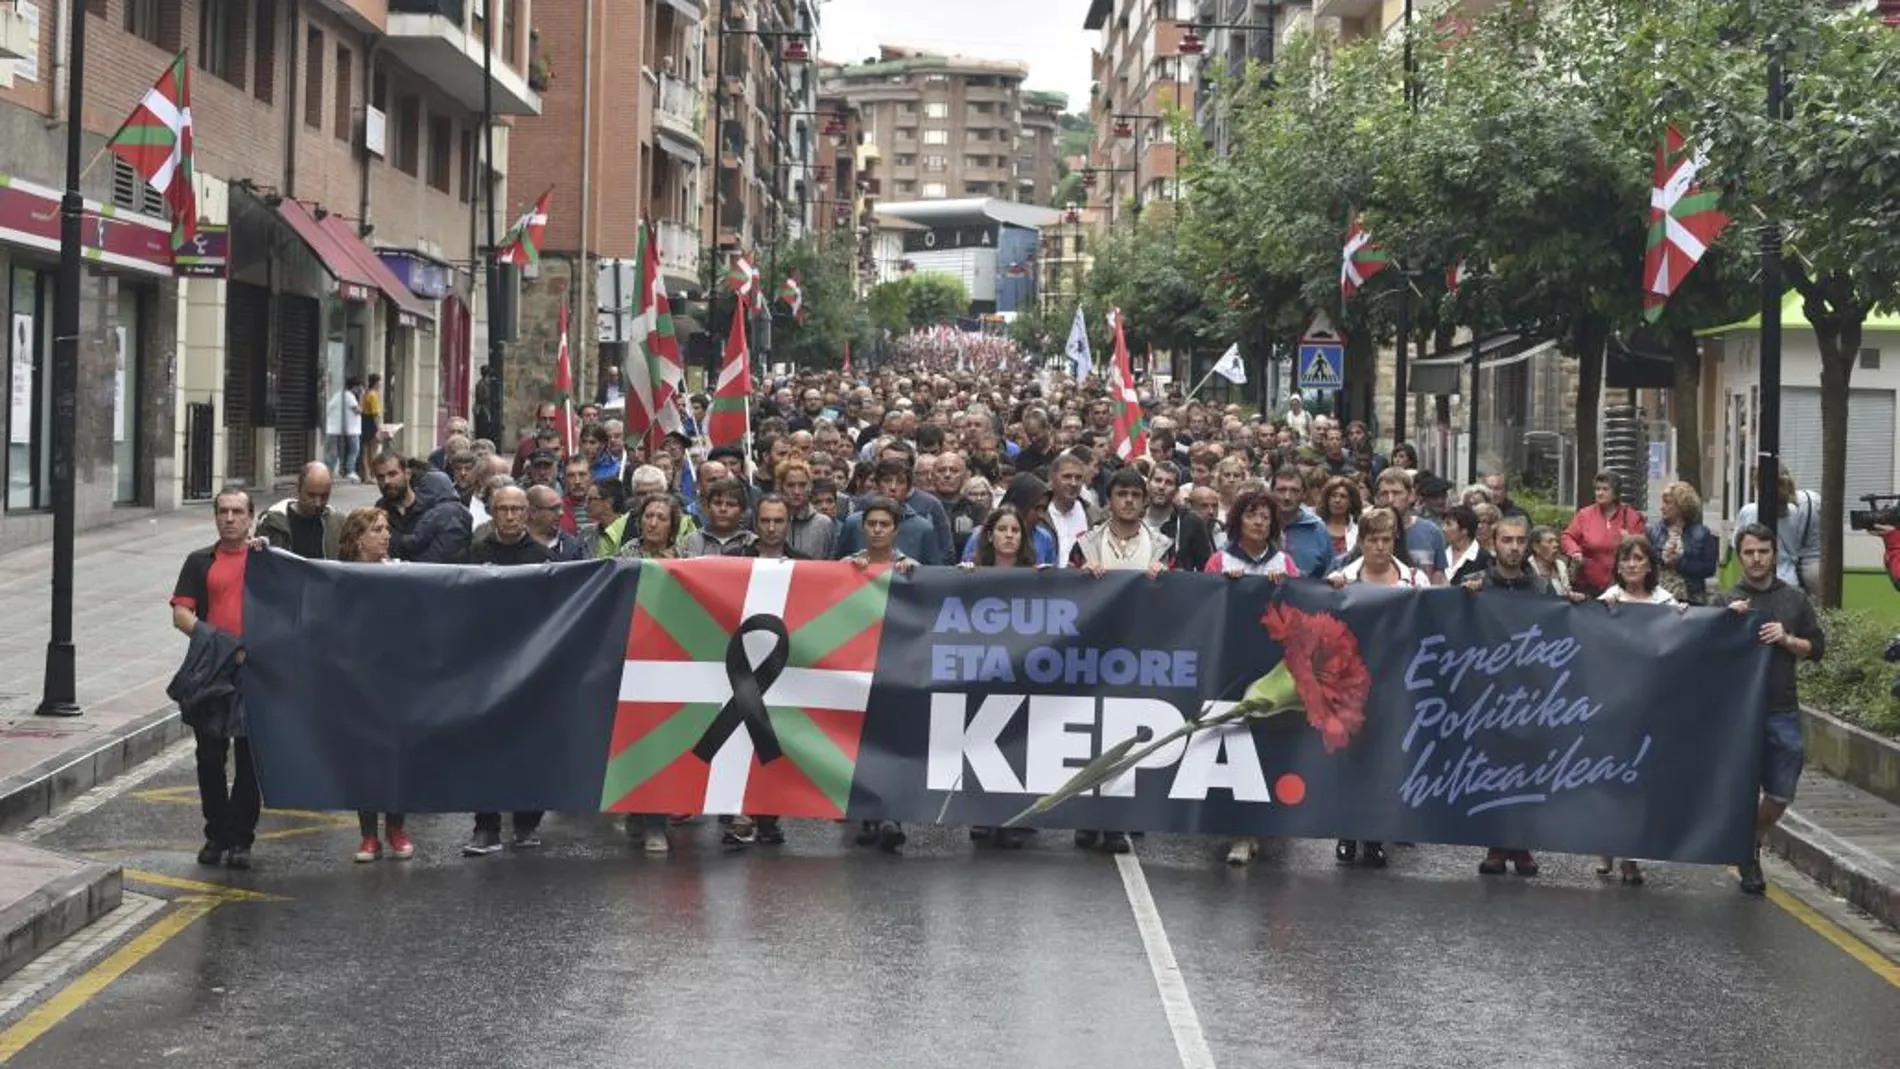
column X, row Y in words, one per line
column 411, row 310
column 353, row 283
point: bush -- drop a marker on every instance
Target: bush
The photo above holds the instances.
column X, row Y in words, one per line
column 1544, row 511
column 1852, row 681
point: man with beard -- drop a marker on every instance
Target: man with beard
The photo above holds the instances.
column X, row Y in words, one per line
column 1509, row 571
column 1193, row 544
column 427, row 522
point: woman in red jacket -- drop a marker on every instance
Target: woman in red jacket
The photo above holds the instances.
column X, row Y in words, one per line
column 1594, row 533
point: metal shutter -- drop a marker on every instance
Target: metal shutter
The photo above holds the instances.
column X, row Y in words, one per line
column 296, row 382
column 1870, row 436
column 247, row 341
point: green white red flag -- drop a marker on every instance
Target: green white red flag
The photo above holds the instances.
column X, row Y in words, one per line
column 1455, row 276
column 1361, row 259
column 742, row 277
column 726, row 423
column 1683, row 222
column 677, row 748
column 564, row 423
column 156, row 141
column 794, row 297
column 656, row 375
column 1130, row 432
column 522, row 243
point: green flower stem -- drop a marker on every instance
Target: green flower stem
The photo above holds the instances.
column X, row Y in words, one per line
column 1271, row 695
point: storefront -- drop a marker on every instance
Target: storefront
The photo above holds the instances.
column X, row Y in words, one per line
column 125, row 341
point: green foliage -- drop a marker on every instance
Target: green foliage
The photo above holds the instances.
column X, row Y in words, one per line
column 917, row 301
column 1852, row 680
column 1543, row 507
column 1144, row 270
column 833, row 316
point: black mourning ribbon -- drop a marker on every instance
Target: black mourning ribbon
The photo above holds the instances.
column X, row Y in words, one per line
column 749, row 683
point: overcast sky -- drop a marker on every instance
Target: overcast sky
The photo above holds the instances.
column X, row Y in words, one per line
column 1046, row 34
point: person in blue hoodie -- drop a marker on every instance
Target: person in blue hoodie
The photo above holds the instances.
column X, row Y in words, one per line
column 916, row 535
column 1306, row 539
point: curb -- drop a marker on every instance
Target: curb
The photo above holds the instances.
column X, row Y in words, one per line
column 1852, row 754
column 1865, row 881
column 27, row 796
column 58, row 909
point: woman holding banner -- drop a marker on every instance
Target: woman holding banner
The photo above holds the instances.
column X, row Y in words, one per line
column 881, row 517
column 1002, row 542
column 365, row 540
column 1379, row 566
column 1637, row 580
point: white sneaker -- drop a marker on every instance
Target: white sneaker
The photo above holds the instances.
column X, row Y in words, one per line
column 657, row 843
column 1243, row 851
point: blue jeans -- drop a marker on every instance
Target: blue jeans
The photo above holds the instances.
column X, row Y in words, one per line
column 349, row 447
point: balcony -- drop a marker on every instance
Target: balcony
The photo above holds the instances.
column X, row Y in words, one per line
column 676, row 106
column 1345, row 10
column 679, row 255
column 433, row 38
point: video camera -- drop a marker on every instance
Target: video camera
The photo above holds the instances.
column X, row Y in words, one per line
column 1883, row 510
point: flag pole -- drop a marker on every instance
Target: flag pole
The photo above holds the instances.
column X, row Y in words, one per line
column 1197, row 386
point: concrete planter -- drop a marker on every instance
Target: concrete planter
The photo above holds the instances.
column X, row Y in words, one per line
column 1853, row 755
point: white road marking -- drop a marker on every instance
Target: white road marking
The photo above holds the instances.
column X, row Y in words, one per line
column 1189, row 1042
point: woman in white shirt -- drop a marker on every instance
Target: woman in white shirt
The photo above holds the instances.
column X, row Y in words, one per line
column 1638, row 581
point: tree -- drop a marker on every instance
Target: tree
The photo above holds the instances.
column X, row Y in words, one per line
column 1828, row 172
column 832, row 316
column 932, row 299
column 890, row 306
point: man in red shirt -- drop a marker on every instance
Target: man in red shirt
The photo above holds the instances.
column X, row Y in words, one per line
column 211, row 588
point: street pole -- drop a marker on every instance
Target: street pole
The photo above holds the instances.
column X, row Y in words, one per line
column 719, row 142
column 1471, row 404
column 1768, row 503
column 60, row 694
column 497, row 350
column 1400, row 386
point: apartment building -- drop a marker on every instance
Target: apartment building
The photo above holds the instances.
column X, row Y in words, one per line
column 951, row 127
column 1141, row 76
column 1039, row 145
column 1232, row 34
column 621, row 138
column 337, row 179
column 763, row 121
column 1067, row 257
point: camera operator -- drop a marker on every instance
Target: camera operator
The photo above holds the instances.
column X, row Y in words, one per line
column 1882, row 519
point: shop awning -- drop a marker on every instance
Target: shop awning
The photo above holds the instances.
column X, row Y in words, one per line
column 353, row 282
column 411, row 310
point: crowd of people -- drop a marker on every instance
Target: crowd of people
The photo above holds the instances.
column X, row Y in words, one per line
column 926, row 466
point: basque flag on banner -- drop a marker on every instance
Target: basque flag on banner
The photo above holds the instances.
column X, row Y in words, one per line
column 745, row 687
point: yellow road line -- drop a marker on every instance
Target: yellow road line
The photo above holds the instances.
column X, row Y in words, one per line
column 76, row 994
column 213, row 890
column 1880, row 965
column 189, row 796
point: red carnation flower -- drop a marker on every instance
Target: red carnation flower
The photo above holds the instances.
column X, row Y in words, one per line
column 1322, row 654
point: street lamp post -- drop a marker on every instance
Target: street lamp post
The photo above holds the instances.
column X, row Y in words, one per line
column 1125, row 127
column 491, row 274
column 59, row 694
column 1768, row 503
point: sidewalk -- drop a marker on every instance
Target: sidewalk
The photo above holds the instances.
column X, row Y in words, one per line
column 127, row 652
column 1846, row 840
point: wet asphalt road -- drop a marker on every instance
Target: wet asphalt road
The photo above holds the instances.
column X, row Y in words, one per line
column 821, row 954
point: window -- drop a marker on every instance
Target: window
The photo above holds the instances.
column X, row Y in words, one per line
column 908, row 107
column 936, row 109
column 313, row 54
column 142, row 21
column 441, row 139
column 29, row 350
column 907, row 133
column 936, row 79
column 906, row 159
column 264, row 48
column 936, row 137
column 222, row 34
column 408, row 134
column 465, row 165
column 379, row 89
column 935, row 190
column 344, row 62
column 1870, row 359
column 905, row 187
column 976, row 161
column 510, row 45
column 936, row 163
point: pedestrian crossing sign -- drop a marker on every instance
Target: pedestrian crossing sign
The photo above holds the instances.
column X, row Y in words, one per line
column 1322, row 365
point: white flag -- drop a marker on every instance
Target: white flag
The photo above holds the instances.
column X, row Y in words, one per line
column 1231, row 367
column 1081, row 360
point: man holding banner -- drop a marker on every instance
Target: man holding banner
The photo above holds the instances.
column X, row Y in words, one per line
column 1792, row 631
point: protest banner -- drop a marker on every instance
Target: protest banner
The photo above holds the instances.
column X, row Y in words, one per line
column 822, row 690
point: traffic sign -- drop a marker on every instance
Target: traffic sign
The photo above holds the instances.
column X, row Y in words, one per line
column 1322, row 365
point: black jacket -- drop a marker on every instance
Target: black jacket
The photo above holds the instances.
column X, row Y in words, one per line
column 490, row 550
column 435, row 529
column 206, row 685
column 1193, row 545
